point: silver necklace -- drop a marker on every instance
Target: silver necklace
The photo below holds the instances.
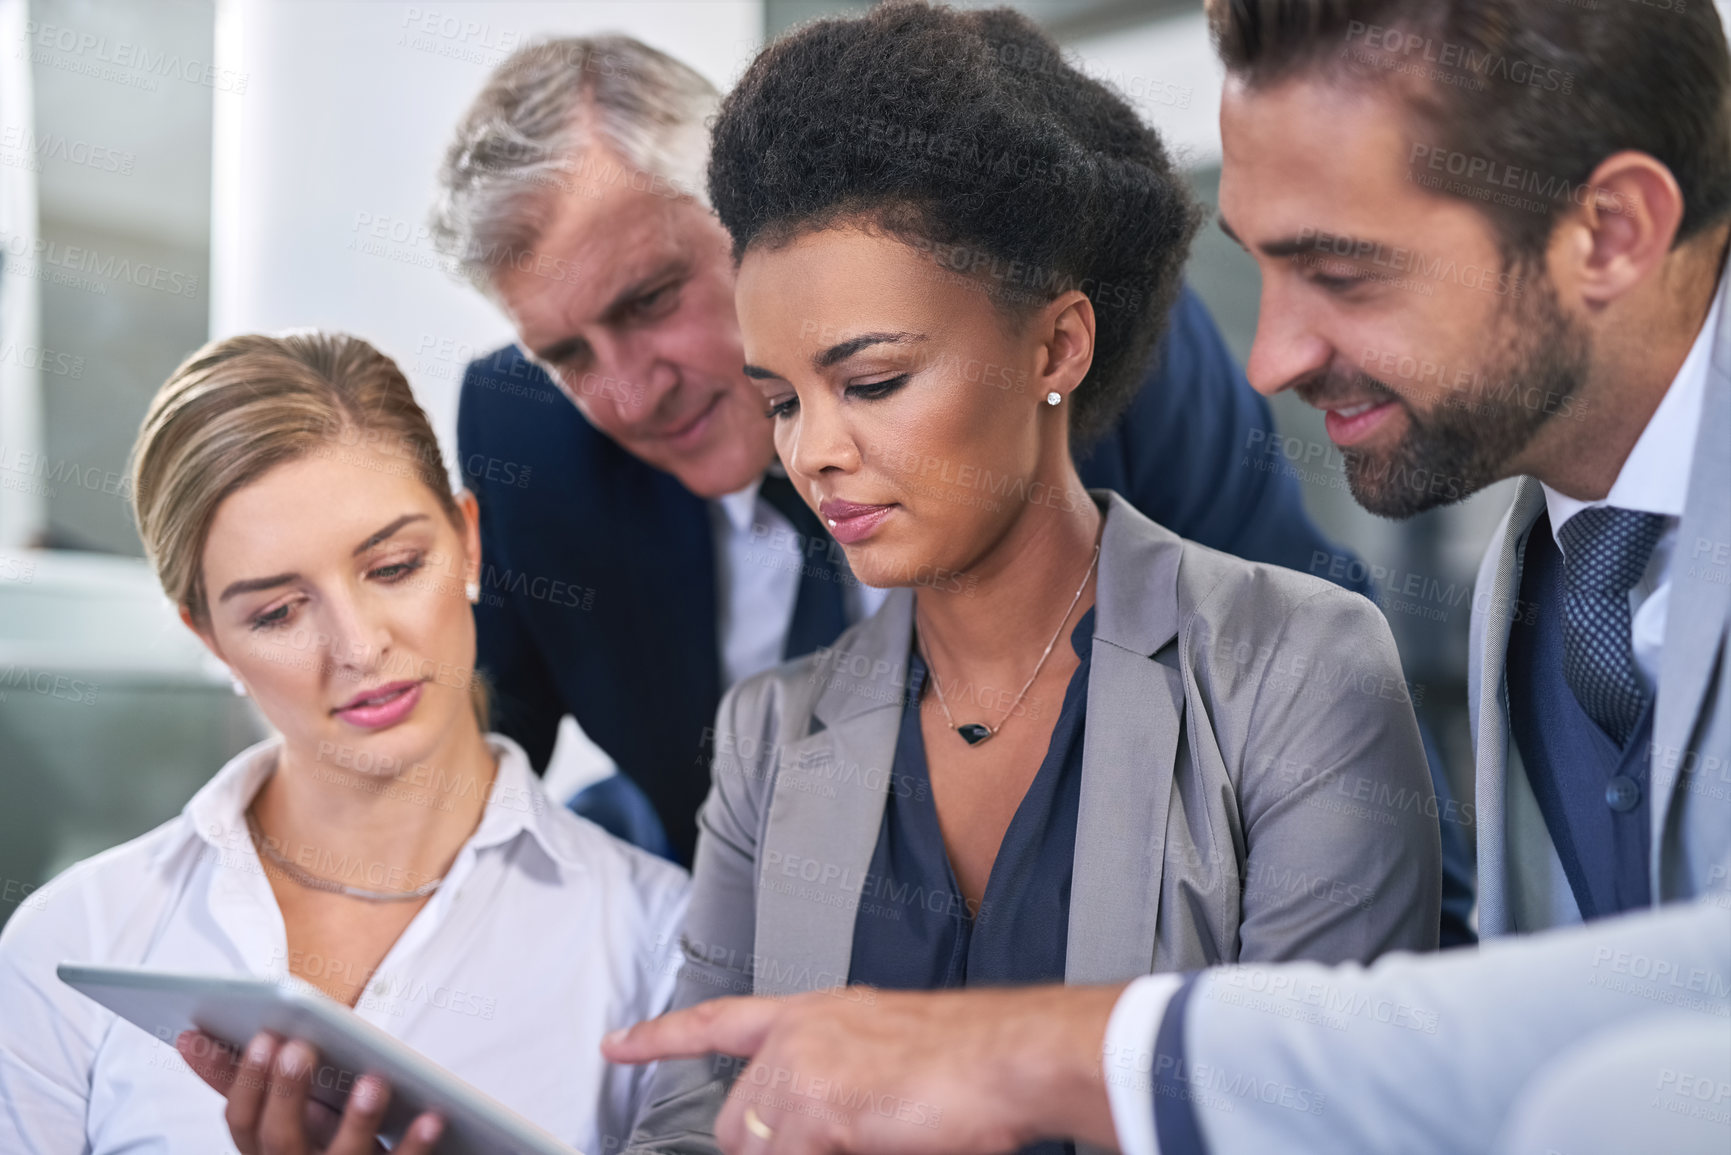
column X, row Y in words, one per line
column 973, row 733
column 314, row 882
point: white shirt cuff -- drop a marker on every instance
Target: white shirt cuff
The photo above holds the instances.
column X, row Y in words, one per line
column 1127, row 1059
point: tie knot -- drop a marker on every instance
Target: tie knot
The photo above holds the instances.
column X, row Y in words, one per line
column 1606, row 548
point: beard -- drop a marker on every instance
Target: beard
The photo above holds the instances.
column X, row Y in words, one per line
column 1467, row 441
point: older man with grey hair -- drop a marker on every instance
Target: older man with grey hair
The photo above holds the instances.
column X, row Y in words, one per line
column 642, row 548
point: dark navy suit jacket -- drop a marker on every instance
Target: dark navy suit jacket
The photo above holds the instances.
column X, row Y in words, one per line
column 598, row 580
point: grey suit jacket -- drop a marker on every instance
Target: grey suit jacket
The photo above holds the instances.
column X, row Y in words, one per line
column 1253, row 787
column 1522, row 886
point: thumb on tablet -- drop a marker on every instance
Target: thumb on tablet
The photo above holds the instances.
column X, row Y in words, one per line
column 728, row 1026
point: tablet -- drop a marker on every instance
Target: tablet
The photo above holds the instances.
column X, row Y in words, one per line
column 235, row 1009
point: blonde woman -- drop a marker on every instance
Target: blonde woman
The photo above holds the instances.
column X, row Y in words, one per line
column 382, row 846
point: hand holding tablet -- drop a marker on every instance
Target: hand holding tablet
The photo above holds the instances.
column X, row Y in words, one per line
column 274, row 1107
column 311, row 1067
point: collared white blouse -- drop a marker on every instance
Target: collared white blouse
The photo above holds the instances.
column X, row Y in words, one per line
column 546, row 934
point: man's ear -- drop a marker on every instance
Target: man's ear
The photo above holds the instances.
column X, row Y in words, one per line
column 1066, row 332
column 1627, row 217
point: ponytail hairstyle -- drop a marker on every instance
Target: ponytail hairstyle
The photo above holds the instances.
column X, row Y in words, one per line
column 241, row 406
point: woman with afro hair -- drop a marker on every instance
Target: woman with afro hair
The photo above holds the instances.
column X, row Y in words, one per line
column 1070, row 745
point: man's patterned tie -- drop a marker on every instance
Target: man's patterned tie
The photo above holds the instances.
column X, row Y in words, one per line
column 1605, row 551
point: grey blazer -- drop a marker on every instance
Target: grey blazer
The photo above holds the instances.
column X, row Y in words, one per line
column 1522, row 886
column 1253, row 788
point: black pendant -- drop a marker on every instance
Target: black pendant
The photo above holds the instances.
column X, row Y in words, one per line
column 974, row 733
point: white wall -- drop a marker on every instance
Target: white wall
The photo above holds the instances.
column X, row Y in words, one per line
column 1169, row 71
column 23, row 508
column 340, row 117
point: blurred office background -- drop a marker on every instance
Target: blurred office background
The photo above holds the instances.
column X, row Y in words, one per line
column 172, row 170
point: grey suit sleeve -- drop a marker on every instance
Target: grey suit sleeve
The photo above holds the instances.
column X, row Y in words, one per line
column 1343, row 856
column 1426, row 1054
column 718, row 938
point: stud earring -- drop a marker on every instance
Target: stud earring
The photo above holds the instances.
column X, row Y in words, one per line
column 1053, row 397
column 472, row 591
column 239, row 686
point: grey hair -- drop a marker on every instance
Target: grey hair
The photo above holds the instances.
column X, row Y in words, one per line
column 527, row 137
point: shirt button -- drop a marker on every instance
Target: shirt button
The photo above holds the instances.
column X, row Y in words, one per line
column 1622, row 794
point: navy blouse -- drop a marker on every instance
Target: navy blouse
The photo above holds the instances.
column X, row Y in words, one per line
column 914, row 929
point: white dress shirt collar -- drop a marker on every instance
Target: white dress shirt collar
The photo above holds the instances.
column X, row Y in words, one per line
column 758, row 555
column 1655, row 477
column 515, row 803
column 740, row 507
column 760, row 558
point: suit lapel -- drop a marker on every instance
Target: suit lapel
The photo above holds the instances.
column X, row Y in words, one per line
column 1135, row 712
column 1121, row 825
column 831, row 785
column 680, row 582
column 827, row 807
column 1502, row 570
column 662, row 601
column 1700, row 600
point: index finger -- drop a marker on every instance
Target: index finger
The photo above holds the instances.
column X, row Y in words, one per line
column 728, row 1026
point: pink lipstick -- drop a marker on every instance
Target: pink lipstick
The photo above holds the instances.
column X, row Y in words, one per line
column 383, row 706
column 850, row 521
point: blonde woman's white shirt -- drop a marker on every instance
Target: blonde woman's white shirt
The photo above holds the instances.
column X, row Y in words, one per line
column 546, row 934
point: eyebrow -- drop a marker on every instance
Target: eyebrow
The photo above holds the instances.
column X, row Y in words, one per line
column 252, row 585
column 1318, row 241
column 386, row 532
column 841, row 351
column 667, row 270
